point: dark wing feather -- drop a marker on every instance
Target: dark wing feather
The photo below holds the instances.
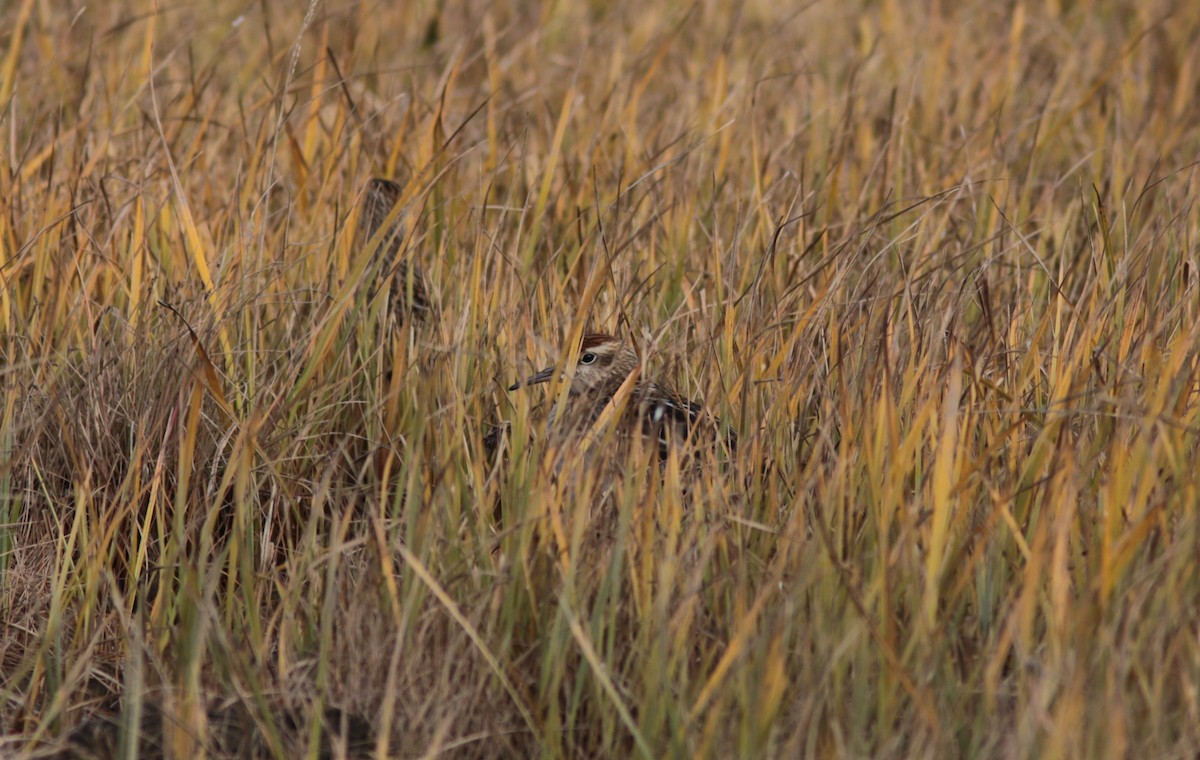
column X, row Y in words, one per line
column 671, row 418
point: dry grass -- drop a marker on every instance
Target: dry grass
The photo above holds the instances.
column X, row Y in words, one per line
column 937, row 267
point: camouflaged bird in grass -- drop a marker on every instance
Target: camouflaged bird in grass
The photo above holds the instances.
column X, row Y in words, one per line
column 380, row 222
column 658, row 412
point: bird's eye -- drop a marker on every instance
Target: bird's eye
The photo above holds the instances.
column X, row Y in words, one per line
column 587, row 358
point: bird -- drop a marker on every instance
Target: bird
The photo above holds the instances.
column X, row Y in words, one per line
column 654, row 409
column 382, row 224
column 409, row 290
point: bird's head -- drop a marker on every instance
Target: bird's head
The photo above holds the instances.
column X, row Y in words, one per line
column 604, row 363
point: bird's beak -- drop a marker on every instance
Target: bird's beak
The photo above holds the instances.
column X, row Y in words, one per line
column 541, row 377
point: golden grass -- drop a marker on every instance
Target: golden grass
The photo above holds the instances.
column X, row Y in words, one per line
column 936, row 265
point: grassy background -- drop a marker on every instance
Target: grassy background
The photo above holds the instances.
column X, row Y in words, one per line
column 936, row 263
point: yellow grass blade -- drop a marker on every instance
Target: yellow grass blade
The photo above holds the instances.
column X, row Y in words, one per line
column 943, row 478
column 551, row 166
column 449, row 605
column 8, row 69
column 589, row 653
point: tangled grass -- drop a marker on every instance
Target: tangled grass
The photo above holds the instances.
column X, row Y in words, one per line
column 936, row 266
